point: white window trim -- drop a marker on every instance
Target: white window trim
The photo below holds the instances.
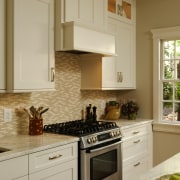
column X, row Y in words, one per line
column 158, row 35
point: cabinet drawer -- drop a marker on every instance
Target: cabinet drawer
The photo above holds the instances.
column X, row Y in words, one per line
column 134, row 146
column 51, row 157
column 135, row 167
column 64, row 171
column 14, row 168
column 134, row 131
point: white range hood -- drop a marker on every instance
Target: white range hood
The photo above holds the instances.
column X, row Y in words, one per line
column 74, row 37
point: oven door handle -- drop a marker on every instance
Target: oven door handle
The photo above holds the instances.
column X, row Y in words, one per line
column 94, row 150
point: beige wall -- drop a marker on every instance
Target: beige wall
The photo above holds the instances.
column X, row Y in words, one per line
column 150, row 14
column 153, row 14
column 165, row 146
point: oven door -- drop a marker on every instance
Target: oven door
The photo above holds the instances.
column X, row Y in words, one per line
column 102, row 162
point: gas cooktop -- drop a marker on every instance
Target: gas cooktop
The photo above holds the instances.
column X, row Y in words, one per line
column 91, row 133
column 79, row 127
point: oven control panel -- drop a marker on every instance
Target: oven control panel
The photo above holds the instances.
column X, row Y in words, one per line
column 100, row 137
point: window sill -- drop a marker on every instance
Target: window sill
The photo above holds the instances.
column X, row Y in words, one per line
column 166, row 127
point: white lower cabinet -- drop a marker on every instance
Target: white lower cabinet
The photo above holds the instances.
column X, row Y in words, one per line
column 136, row 150
column 135, row 168
column 66, row 171
column 16, row 168
column 55, row 163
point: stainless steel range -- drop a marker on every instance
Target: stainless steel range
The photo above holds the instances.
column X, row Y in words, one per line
column 99, row 147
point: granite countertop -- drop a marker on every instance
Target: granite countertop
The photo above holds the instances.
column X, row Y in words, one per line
column 20, row 145
column 163, row 169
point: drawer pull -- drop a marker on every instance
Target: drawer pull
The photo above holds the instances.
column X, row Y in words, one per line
column 136, row 132
column 137, row 164
column 52, row 74
column 135, row 142
column 55, row 157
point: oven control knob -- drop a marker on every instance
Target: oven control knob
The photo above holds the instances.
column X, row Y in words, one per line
column 111, row 134
column 118, row 133
column 94, row 139
column 89, row 140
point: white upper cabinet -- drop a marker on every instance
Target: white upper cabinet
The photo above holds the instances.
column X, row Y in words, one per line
column 122, row 23
column 119, row 72
column 88, row 12
column 2, row 45
column 30, row 42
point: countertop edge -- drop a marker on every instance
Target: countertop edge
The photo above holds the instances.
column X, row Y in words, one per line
column 52, row 142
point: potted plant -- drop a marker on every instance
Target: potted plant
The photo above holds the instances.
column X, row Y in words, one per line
column 130, row 109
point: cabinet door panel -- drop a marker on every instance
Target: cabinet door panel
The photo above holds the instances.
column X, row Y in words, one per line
column 135, row 146
column 135, row 168
column 109, row 75
column 100, row 7
column 14, row 168
column 126, row 63
column 86, row 10
column 43, row 159
column 89, row 12
column 125, row 49
column 33, row 44
column 109, row 68
column 64, row 171
column 2, row 44
column 71, row 10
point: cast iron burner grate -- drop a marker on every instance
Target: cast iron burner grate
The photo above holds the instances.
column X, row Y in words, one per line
column 79, row 127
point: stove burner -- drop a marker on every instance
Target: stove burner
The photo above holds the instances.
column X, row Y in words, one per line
column 79, row 127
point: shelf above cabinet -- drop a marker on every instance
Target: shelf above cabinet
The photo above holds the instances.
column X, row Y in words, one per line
column 122, row 10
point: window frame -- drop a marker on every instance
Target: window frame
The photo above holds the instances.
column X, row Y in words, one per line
column 160, row 34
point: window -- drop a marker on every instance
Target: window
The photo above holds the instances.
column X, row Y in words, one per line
column 170, row 79
column 166, row 75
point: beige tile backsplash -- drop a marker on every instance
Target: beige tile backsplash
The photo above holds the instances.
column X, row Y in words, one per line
column 64, row 104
